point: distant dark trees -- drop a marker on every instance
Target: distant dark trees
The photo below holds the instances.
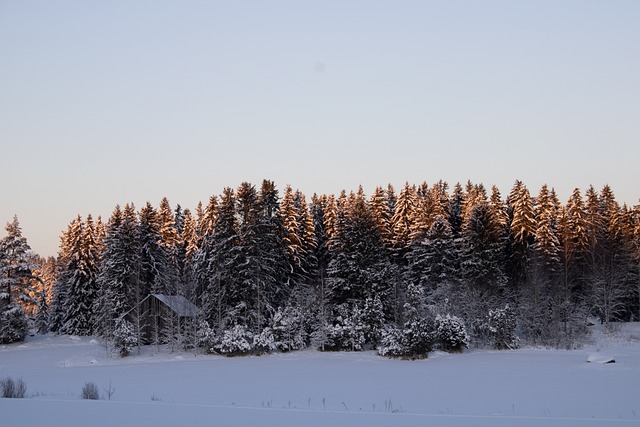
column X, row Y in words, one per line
column 274, row 271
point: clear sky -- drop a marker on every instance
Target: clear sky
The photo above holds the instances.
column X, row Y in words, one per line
column 109, row 102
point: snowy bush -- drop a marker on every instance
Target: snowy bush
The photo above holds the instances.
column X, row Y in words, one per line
column 13, row 389
column 236, row 341
column 390, row 343
column 13, row 324
column 124, row 337
column 205, row 337
column 347, row 331
column 288, row 330
column 90, row 391
column 451, row 334
column 264, row 342
column 501, row 323
column 413, row 341
column 417, row 338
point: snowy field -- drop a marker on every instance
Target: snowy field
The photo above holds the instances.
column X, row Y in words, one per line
column 527, row 387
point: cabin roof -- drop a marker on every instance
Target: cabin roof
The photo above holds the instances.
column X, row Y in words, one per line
column 179, row 304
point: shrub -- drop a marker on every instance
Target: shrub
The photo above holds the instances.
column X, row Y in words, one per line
column 264, row 342
column 13, row 389
column 236, row 341
column 90, row 391
column 413, row 341
column 390, row 343
column 451, row 333
column 417, row 338
column 13, row 324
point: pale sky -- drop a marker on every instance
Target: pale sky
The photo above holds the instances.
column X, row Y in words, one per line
column 109, row 102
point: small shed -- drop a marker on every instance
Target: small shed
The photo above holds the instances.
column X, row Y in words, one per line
column 165, row 319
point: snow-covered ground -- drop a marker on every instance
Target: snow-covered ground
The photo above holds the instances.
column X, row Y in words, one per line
column 526, row 387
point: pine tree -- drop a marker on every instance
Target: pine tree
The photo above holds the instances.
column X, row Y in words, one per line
column 207, row 218
column 153, row 269
column 262, row 248
column 522, row 231
column 611, row 270
column 216, row 264
column 118, row 280
column 474, row 195
column 80, row 273
column 434, row 263
column 482, row 266
column 456, row 205
column 499, row 209
column 572, row 307
column 541, row 298
column 16, row 265
column 404, row 218
column 381, row 212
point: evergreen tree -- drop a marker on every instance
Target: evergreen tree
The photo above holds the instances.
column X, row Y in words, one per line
column 540, row 299
column 611, row 269
column 482, row 266
column 216, row 266
column 404, row 218
column 16, row 265
column 572, row 307
column 522, row 231
column 119, row 276
column 381, row 212
column 455, row 209
column 263, row 252
column 153, row 259
column 80, row 273
column 434, row 263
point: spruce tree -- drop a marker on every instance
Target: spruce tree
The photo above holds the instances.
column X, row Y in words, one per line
column 16, row 265
column 482, row 266
column 434, row 264
column 80, row 272
column 119, row 276
column 611, row 269
column 216, row 266
column 404, row 219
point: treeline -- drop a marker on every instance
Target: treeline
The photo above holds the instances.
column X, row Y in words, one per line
column 398, row 271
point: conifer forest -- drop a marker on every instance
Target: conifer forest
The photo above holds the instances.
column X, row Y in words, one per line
column 403, row 271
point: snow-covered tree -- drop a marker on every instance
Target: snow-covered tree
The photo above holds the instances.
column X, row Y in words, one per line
column 522, row 231
column 119, row 276
column 451, row 334
column 80, row 271
column 404, row 217
column 434, row 263
column 16, row 266
column 206, row 337
column 482, row 267
column 125, row 337
column 215, row 266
